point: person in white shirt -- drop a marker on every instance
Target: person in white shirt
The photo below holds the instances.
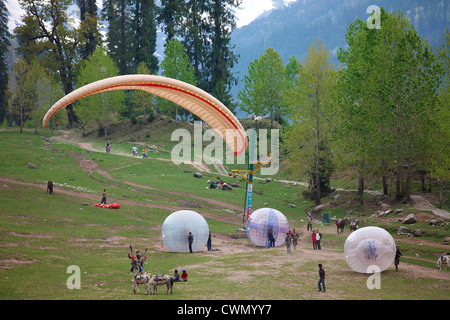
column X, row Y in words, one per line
column 318, row 237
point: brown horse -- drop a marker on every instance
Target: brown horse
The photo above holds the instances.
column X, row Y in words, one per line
column 340, row 224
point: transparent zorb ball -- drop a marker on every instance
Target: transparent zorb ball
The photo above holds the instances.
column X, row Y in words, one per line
column 177, row 226
column 261, row 221
column 368, row 247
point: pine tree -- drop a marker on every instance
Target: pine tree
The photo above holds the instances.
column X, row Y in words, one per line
column 4, row 44
column 169, row 17
column 143, row 29
column 222, row 59
column 88, row 11
column 195, row 31
column 117, row 14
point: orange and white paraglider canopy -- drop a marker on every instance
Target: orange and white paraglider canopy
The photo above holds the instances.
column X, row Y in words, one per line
column 195, row 100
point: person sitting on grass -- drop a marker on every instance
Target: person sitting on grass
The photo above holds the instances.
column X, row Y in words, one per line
column 184, row 276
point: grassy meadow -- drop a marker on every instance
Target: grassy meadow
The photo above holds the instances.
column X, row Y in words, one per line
column 41, row 235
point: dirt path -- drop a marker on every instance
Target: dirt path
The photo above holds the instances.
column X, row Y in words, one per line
column 197, row 166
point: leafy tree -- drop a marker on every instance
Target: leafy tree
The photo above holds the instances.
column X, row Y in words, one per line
column 4, row 44
column 102, row 107
column 439, row 166
column 312, row 119
column 263, row 86
column 48, row 32
column 355, row 127
column 405, row 79
column 176, row 66
column 144, row 102
column 20, row 100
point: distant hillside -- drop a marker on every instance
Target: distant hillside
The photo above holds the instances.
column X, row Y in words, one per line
column 291, row 30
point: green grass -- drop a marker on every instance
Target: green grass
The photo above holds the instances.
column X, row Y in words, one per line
column 42, row 235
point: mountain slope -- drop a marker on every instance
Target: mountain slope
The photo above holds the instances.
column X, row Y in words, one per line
column 291, row 30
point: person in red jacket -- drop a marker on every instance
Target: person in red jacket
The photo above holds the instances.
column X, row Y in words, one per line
column 313, row 238
column 184, row 276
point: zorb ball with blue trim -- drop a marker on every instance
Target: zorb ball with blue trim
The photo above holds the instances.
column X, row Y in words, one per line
column 369, row 249
column 260, row 222
column 177, row 226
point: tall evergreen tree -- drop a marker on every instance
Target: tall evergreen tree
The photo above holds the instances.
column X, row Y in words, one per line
column 4, row 44
column 143, row 29
column 117, row 14
column 222, row 58
column 169, row 17
column 195, row 31
column 88, row 11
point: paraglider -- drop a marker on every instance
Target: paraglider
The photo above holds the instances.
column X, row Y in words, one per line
column 368, row 247
column 185, row 230
column 195, row 100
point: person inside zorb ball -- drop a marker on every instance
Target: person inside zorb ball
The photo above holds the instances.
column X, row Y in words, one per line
column 369, row 248
column 175, row 231
column 261, row 221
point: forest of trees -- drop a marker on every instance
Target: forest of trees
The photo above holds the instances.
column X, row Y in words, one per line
column 382, row 110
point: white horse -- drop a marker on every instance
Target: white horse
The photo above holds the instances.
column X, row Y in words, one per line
column 141, row 280
column 443, row 260
column 159, row 280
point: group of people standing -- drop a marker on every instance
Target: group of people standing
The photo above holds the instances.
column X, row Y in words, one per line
column 316, row 236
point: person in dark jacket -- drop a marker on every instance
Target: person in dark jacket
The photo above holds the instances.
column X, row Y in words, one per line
column 398, row 254
column 321, row 278
column 190, row 238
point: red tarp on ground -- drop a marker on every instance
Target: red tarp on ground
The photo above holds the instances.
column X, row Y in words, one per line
column 108, row 206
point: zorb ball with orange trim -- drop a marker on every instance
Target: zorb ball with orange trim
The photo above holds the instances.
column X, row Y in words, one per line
column 368, row 249
column 261, row 221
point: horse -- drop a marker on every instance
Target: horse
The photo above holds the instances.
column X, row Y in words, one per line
column 160, row 280
column 141, row 280
column 340, row 224
column 443, row 260
column 353, row 226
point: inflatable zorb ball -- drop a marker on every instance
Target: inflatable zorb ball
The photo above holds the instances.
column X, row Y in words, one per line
column 260, row 222
column 177, row 226
column 369, row 249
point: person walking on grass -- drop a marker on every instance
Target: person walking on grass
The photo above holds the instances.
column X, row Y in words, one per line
column 288, row 242
column 104, row 195
column 295, row 236
column 321, row 282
